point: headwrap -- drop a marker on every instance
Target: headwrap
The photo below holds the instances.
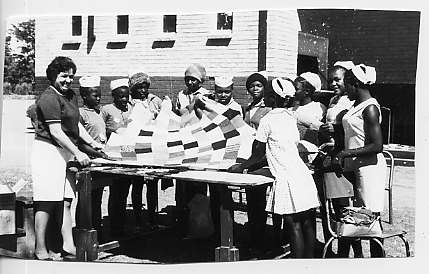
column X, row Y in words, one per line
column 89, row 81
column 138, row 78
column 313, row 79
column 257, row 76
column 365, row 74
column 345, row 64
column 283, row 87
column 197, row 71
column 123, row 82
column 223, row 81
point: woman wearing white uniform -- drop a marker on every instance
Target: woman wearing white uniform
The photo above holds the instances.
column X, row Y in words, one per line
column 57, row 132
column 363, row 143
column 293, row 194
column 309, row 114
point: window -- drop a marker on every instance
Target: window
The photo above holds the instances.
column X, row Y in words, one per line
column 169, row 23
column 122, row 24
column 224, row 21
column 76, row 25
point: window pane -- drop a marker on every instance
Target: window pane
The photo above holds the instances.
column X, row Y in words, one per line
column 169, row 23
column 122, row 26
column 224, row 20
column 76, row 25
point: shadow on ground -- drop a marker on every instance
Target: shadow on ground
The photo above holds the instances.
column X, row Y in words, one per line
column 167, row 245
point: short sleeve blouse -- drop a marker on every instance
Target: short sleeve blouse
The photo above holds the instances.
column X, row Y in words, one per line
column 54, row 107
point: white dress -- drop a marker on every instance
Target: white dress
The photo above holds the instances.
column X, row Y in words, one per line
column 294, row 189
column 310, row 115
column 370, row 170
column 342, row 104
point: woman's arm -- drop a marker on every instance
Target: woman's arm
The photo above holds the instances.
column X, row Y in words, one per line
column 64, row 141
column 84, row 135
column 373, row 136
column 258, row 153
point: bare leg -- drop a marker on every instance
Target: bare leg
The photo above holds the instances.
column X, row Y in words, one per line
column 40, row 224
column 294, row 227
column 309, row 232
column 66, row 229
column 277, row 230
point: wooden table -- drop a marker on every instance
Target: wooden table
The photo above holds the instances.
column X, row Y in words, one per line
column 86, row 243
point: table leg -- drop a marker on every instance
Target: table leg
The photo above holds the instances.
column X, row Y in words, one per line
column 152, row 199
column 226, row 252
column 86, row 242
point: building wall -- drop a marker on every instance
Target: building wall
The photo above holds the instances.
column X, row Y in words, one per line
column 165, row 57
column 387, row 40
column 282, row 41
column 238, row 57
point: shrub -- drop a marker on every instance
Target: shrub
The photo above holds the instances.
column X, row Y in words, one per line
column 7, row 88
column 23, row 89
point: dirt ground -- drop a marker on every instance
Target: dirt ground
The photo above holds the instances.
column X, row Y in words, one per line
column 165, row 246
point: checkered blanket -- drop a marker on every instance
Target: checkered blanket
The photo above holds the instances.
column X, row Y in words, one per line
column 214, row 138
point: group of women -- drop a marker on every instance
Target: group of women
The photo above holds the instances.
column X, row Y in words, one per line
column 351, row 123
column 282, row 111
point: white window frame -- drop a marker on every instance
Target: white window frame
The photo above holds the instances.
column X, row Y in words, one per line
column 161, row 35
column 116, row 37
column 71, row 39
column 215, row 33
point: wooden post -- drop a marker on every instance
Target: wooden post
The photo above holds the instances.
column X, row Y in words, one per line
column 226, row 252
column 86, row 242
column 262, row 40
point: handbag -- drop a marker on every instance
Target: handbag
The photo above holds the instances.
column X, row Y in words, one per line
column 359, row 222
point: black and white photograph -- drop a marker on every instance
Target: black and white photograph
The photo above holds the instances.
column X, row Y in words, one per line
column 237, row 135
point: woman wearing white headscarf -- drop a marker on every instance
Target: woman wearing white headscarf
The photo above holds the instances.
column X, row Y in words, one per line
column 363, row 142
column 309, row 114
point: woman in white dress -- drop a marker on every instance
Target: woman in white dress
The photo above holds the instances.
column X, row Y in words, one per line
column 363, row 142
column 309, row 114
column 293, row 194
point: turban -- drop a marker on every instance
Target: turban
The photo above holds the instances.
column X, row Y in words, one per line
column 138, row 79
column 257, row 76
column 197, row 71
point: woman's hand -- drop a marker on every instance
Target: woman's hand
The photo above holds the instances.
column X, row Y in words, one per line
column 82, row 158
column 121, row 130
column 96, row 145
column 327, row 128
column 236, row 168
column 337, row 163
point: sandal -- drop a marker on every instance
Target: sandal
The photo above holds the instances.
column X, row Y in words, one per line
column 67, row 256
column 45, row 259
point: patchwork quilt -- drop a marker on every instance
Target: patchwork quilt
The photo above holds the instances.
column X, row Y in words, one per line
column 213, row 136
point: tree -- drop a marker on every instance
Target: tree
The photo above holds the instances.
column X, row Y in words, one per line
column 19, row 66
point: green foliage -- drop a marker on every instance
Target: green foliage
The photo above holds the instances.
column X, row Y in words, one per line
column 19, row 66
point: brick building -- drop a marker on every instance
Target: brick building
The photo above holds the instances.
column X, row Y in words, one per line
column 238, row 43
column 282, row 42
